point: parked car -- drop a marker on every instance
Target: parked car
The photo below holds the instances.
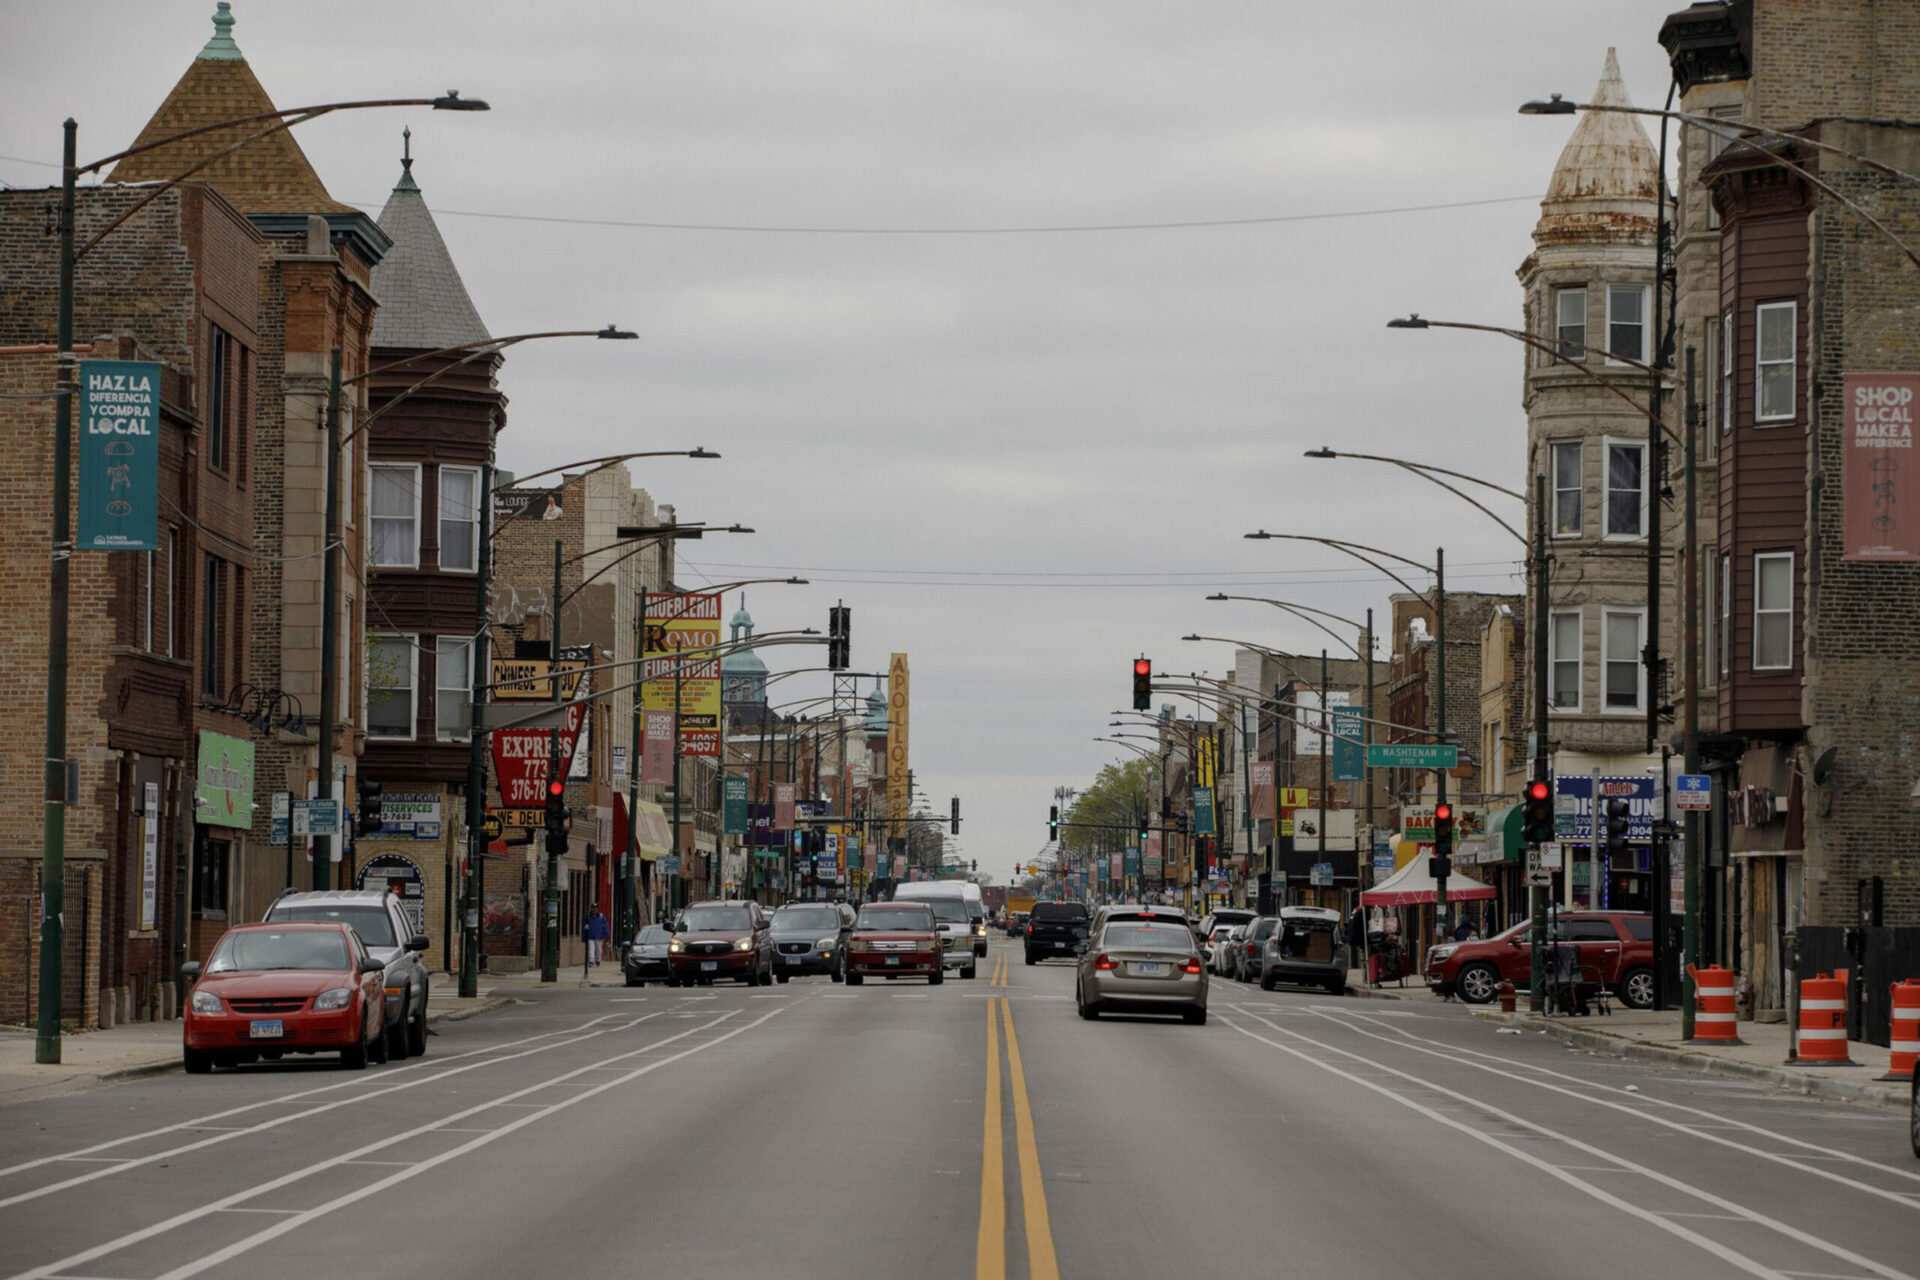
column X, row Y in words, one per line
column 722, row 939
column 1616, row 947
column 1056, row 929
column 647, row 958
column 273, row 989
column 1308, row 948
column 1246, row 956
column 377, row 916
column 894, row 940
column 810, row 937
column 1223, row 954
column 1142, row 966
column 1215, row 947
column 1225, row 916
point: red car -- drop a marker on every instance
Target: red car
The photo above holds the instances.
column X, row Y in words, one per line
column 721, row 939
column 892, row 940
column 1615, row 945
column 273, row 989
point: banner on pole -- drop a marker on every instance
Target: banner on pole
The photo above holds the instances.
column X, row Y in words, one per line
column 119, row 456
column 656, row 749
column 734, row 804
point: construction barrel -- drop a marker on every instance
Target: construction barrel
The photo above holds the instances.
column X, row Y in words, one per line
column 1713, row 1016
column 1820, row 1039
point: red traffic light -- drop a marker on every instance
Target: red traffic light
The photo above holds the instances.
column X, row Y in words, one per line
column 1143, row 666
column 1443, row 813
column 1537, row 790
column 556, row 788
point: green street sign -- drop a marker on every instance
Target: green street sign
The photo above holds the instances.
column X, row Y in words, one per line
column 1413, row 755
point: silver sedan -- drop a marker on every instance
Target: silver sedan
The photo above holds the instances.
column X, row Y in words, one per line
column 1138, row 966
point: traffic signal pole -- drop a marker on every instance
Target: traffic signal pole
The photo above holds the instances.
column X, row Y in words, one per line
column 1440, row 725
column 1542, row 757
column 1690, row 868
column 323, row 846
column 473, row 895
column 550, row 892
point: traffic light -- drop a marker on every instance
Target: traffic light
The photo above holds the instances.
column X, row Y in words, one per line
column 1142, row 684
column 1143, row 828
column 1053, row 823
column 1539, row 812
column 1618, row 820
column 956, row 816
column 367, row 820
column 556, row 817
column 1441, row 864
column 839, row 637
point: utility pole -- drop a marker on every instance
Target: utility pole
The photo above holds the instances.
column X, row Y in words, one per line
column 1366, row 770
column 550, row 894
column 329, row 626
column 1440, row 720
column 636, row 742
column 679, row 871
column 1542, row 758
column 471, row 944
column 1690, row 746
column 1326, row 729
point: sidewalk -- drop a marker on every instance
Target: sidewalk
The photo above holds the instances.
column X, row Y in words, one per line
column 1762, row 1055
column 148, row 1048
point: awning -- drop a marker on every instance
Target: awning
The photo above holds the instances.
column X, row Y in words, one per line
column 654, row 834
column 1411, row 885
column 1502, row 841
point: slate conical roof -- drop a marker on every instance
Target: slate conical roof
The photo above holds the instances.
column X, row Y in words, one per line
column 423, row 301
column 1607, row 179
column 269, row 175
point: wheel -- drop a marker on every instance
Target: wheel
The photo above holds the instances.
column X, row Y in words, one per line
column 355, row 1059
column 1476, row 983
column 672, row 981
column 634, row 982
column 394, row 1037
column 782, row 977
column 855, row 979
column 1266, row 982
column 969, row 971
column 1636, row 989
column 766, row 975
column 1194, row 1017
column 937, row 977
column 839, row 972
column 1030, row 959
column 1091, row 1012
column 417, row 1033
column 199, row 1062
column 1337, row 987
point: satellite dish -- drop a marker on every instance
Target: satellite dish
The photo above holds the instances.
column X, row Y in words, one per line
column 1823, row 766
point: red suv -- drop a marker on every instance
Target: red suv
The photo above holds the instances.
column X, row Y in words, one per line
column 1617, row 945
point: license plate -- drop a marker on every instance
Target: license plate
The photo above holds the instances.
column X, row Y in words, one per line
column 1149, row 968
column 893, row 959
column 708, row 966
column 266, row 1029
column 795, row 959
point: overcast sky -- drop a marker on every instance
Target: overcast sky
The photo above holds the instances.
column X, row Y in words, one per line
column 1020, row 458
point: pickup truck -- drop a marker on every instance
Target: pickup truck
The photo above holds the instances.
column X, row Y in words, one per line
column 1056, row 929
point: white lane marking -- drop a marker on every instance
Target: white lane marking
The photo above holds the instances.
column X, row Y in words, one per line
column 838, row 995
column 909, row 995
column 227, row 1135
column 244, row 1209
column 766, row 997
column 391, row 1164
column 24, row 1165
column 96, row 1159
column 628, row 1000
column 1666, row 1180
column 1695, row 1128
column 485, row 1136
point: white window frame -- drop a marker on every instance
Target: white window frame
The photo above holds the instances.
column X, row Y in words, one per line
column 1727, row 339
column 1760, row 366
column 473, row 521
column 1710, row 615
column 173, row 578
column 1607, row 445
column 1607, row 659
column 1559, row 343
column 374, row 521
column 1554, row 659
column 146, row 604
column 1758, row 612
column 462, row 692
column 1646, row 325
column 1726, row 613
column 1711, row 436
column 412, row 643
column 1554, row 489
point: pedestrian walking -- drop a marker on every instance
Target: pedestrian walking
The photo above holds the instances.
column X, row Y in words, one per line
column 597, row 932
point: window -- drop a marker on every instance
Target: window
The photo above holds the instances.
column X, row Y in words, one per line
column 146, row 601
column 1710, row 614
column 219, row 369
column 210, row 878
column 349, row 473
column 453, row 688
column 390, row 689
column 173, row 571
column 1773, row 611
column 1564, row 660
column 236, row 625
column 1719, row 138
column 459, row 518
column 1620, row 634
column 1726, row 373
column 1710, row 440
column 213, row 659
column 396, row 516
column 343, row 664
column 1570, row 322
column 1568, row 496
column 1625, row 497
column 1627, row 322
column 1773, row 361
column 1726, row 613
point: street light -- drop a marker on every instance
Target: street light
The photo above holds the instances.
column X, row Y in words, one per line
column 46, row 1044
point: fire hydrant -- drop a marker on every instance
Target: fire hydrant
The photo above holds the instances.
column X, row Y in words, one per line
column 1505, row 991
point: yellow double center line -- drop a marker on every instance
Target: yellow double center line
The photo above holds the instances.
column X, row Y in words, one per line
column 990, row 1255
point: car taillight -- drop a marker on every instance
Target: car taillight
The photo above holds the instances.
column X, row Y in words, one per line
column 1252, row 948
column 1192, row 965
column 1104, row 961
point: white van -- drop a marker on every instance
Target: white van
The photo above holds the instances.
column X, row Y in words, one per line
column 961, row 915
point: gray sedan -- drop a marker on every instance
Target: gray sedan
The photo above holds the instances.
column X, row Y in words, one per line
column 1138, row 966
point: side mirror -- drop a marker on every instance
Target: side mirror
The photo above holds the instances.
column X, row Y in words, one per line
column 418, row 942
column 190, row 970
column 369, row 965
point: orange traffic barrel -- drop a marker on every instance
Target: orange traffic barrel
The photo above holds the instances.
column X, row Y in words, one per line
column 1821, row 1038
column 1713, row 1017
column 1905, row 1041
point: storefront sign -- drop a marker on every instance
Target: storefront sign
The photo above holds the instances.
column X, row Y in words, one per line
column 1295, row 797
column 1879, row 477
column 1469, row 820
column 1573, row 806
column 223, row 781
column 401, row 877
column 521, row 758
column 149, row 854
column 531, row 679
column 681, row 665
column 119, row 455
column 410, row 815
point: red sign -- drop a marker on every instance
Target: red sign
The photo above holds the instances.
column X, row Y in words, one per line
column 656, row 755
column 1882, row 521
column 521, row 757
column 783, row 806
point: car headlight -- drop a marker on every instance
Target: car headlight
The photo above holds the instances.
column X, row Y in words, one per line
column 1442, row 952
column 336, row 998
column 676, row 946
column 207, row 1002
column 745, row 944
column 828, row 944
column 980, row 930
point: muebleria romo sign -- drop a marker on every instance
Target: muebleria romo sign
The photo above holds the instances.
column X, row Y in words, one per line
column 119, row 455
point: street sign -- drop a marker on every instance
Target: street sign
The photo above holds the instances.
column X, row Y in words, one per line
column 1413, row 755
column 316, row 817
column 492, row 826
column 1537, row 870
column 1693, row 792
column 1320, row 875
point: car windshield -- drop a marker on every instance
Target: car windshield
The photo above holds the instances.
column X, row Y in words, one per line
column 948, row 910
column 652, row 936
column 1225, row 930
column 371, row 921
column 806, row 920
column 1149, row 937
column 1073, row 911
column 254, row 949
column 903, row 916
column 725, row 919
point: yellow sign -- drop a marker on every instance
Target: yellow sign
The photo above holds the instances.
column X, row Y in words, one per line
column 1295, row 798
column 897, row 758
column 681, row 666
column 1286, row 826
column 529, row 818
column 531, row 679
column 1204, row 767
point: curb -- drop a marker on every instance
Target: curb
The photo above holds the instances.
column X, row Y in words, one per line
column 1868, row 1091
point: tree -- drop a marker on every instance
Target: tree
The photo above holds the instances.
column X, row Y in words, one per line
column 1111, row 807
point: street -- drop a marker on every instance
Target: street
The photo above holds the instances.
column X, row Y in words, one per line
column 821, row 1130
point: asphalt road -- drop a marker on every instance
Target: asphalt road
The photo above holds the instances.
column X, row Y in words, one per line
column 973, row 1129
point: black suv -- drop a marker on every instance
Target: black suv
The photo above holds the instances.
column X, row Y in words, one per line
column 1056, row 929
column 376, row 915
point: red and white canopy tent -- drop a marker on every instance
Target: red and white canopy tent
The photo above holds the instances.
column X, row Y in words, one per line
column 1412, row 886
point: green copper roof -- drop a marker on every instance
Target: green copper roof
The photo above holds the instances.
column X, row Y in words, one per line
column 221, row 47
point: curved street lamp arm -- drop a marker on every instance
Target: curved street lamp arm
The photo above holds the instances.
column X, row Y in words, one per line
column 1354, row 549
column 1461, row 494
column 450, row 101
column 1323, row 452
column 1304, row 616
column 1720, row 129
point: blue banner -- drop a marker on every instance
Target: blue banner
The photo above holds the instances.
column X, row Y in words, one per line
column 1203, row 811
column 1573, row 806
column 1349, row 749
column 119, row 441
